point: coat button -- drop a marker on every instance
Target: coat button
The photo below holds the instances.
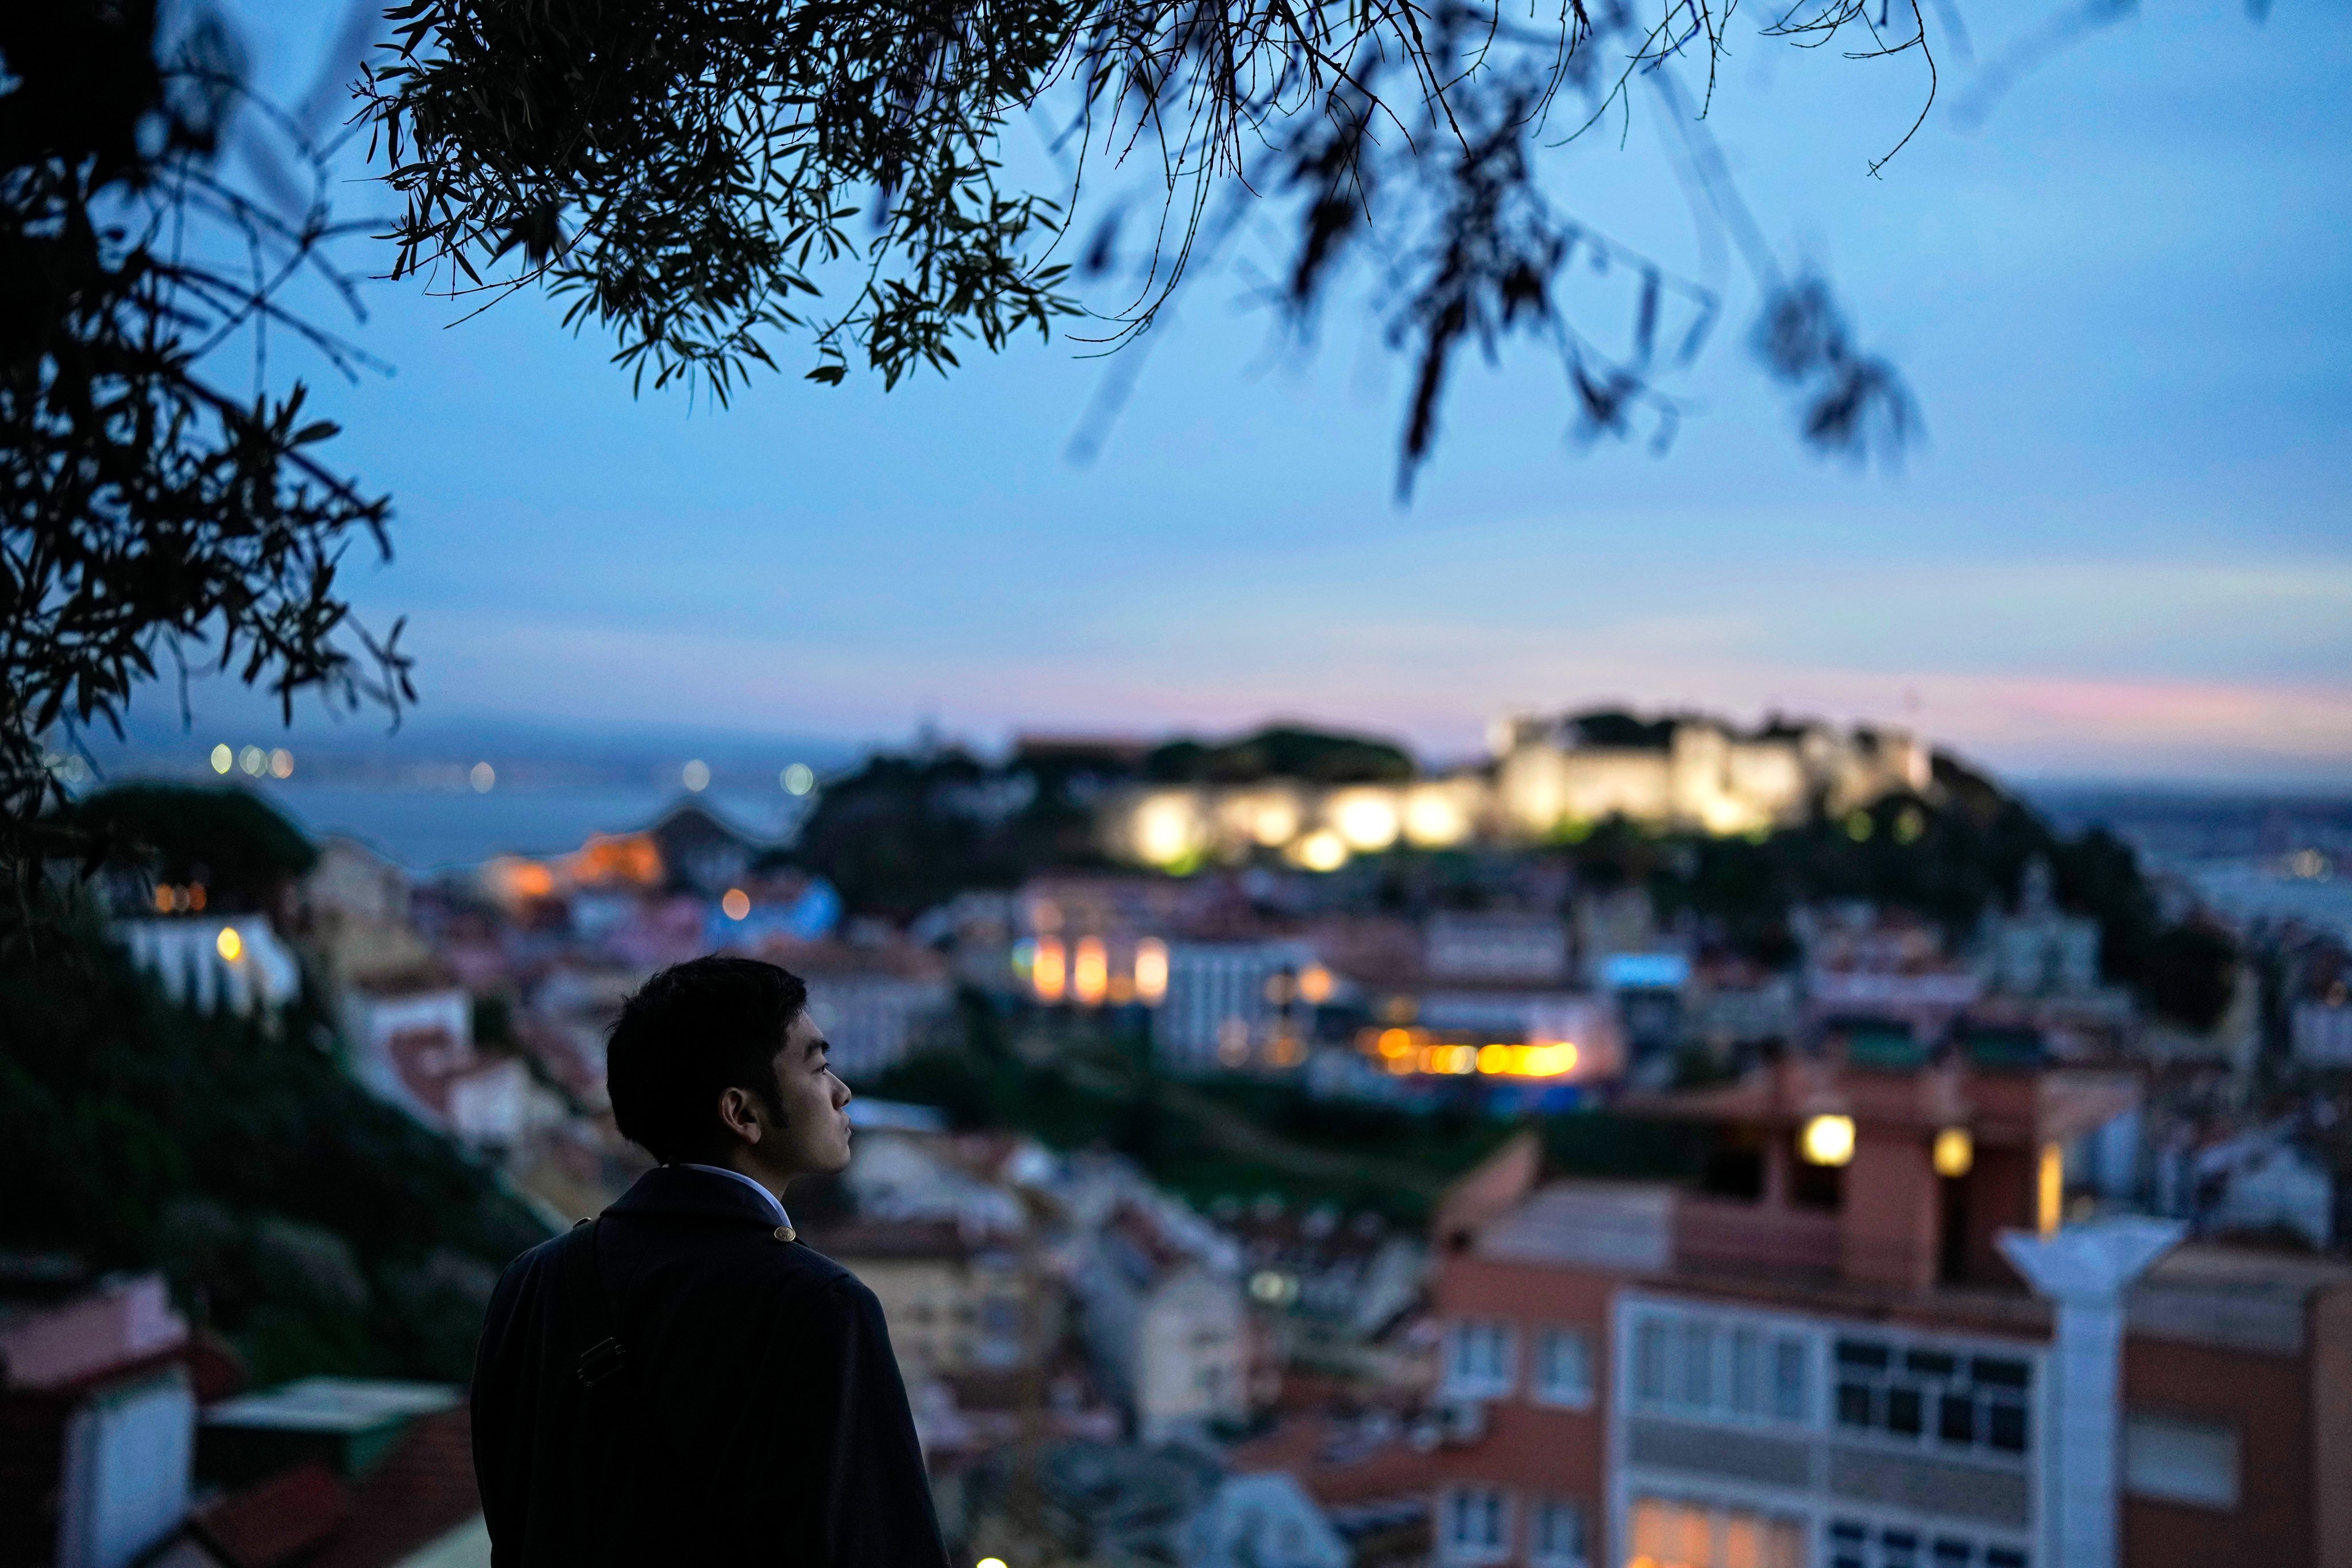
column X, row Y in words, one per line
column 785, row 1233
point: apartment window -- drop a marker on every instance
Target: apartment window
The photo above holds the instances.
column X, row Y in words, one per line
column 1933, row 1396
column 1746, row 1372
column 1687, row 1364
column 2176, row 1460
column 1478, row 1362
column 1650, row 1362
column 1477, row 1524
column 1672, row 1533
column 1854, row 1544
column 1564, row 1368
column 1559, row 1537
column 1789, row 1379
column 1695, row 1385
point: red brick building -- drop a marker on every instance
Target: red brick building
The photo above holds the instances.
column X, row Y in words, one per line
column 1822, row 1355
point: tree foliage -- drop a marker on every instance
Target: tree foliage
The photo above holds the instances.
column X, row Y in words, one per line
column 151, row 518
column 316, row 1225
column 706, row 179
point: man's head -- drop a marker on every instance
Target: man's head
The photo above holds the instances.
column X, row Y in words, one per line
column 716, row 1062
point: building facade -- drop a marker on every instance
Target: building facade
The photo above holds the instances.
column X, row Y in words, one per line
column 1824, row 1356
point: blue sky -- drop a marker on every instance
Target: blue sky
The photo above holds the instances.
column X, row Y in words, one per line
column 2122, row 302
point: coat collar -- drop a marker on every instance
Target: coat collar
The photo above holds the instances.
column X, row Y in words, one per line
column 677, row 1190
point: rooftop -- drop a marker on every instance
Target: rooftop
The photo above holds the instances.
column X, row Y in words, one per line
column 333, row 1404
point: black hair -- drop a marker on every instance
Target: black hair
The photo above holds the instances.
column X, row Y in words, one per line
column 691, row 1033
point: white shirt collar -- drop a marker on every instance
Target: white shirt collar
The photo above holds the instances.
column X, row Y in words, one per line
column 766, row 1196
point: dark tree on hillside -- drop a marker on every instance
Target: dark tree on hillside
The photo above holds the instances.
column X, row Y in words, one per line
column 2192, row 974
column 227, row 838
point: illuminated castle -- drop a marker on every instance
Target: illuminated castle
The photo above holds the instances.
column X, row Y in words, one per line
column 1548, row 777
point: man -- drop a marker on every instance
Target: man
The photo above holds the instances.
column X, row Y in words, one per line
column 682, row 1380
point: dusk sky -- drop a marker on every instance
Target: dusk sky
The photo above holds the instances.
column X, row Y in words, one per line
column 2122, row 551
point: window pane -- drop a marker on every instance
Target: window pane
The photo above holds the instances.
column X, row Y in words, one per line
column 1698, row 1364
column 1789, row 1380
column 1853, row 1404
column 2007, row 1374
column 1903, row 1414
column 2007, row 1427
column 1956, row 1419
column 1649, row 1528
column 2182, row 1461
column 1748, row 1372
column 1650, row 1362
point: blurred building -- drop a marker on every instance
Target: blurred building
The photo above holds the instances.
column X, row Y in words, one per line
column 871, row 1001
column 1165, row 1323
column 1546, row 774
column 411, row 1039
column 97, row 1423
column 1824, row 1352
column 235, row 963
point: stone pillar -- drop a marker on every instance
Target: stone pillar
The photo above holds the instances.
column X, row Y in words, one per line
column 2085, row 1272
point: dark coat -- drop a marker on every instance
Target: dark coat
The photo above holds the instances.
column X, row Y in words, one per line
column 756, row 1415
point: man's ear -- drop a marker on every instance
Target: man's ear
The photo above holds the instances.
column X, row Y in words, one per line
column 737, row 1108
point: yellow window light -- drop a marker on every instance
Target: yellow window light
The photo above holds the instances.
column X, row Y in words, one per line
column 1827, row 1140
column 1315, row 985
column 1164, row 829
column 1275, row 823
column 1322, row 850
column 1396, row 1043
column 2049, row 1190
column 1151, row 971
column 1434, row 821
column 1050, row 974
column 1090, row 972
column 228, row 944
column 1955, row 1153
column 1366, row 821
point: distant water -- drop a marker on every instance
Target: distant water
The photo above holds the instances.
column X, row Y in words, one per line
column 428, row 830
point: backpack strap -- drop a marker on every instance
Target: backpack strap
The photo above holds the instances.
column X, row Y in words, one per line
column 590, row 1310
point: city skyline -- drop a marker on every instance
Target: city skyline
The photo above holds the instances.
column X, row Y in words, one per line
column 2119, row 556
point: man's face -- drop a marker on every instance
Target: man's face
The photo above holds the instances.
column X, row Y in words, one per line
column 815, row 1138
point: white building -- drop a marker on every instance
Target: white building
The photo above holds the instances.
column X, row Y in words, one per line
column 237, row 963
column 1223, row 1000
column 1161, row 1307
column 2038, row 950
column 411, row 1043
